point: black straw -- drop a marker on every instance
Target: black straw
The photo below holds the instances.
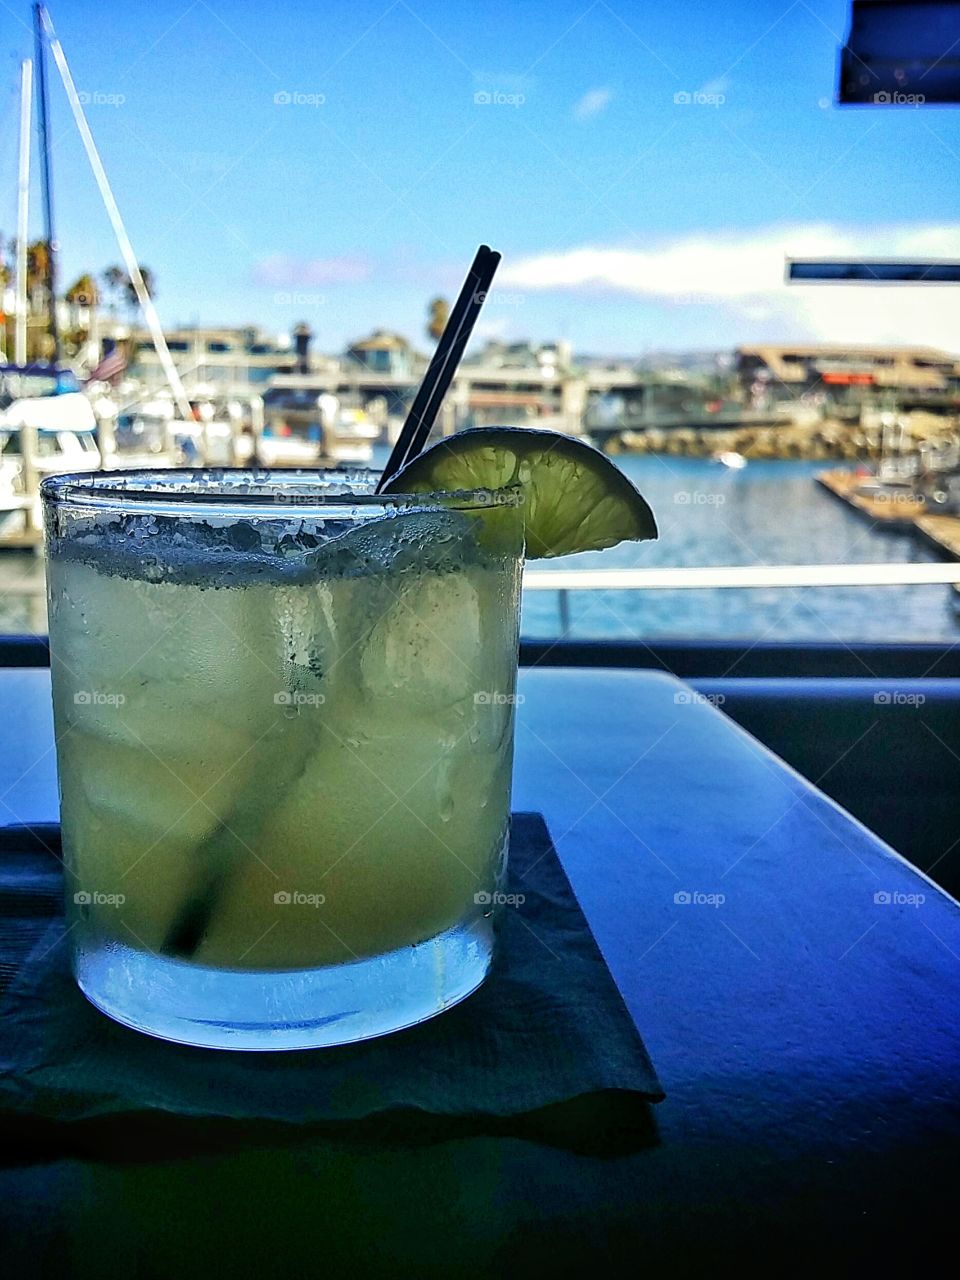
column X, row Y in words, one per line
column 423, row 412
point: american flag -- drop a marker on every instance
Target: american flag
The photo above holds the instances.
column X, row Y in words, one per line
column 110, row 367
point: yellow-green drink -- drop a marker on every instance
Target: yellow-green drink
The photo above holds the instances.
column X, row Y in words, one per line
column 284, row 712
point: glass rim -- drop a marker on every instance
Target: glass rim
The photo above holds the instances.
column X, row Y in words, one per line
column 279, row 489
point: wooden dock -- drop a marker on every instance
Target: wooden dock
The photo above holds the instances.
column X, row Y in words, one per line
column 942, row 532
column 893, row 510
column 898, row 511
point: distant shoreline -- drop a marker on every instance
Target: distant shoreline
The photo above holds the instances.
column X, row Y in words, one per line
column 826, row 440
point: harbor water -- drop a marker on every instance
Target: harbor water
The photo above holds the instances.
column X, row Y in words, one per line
column 768, row 513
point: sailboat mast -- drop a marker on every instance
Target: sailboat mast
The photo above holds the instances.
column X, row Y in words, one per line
column 45, row 184
column 23, row 209
column 113, row 213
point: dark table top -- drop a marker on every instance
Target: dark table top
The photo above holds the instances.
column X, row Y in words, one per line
column 796, row 983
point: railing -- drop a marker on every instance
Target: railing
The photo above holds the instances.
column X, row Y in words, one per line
column 762, row 575
column 563, row 581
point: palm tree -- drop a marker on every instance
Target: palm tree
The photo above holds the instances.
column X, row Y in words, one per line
column 114, row 279
column 149, row 283
column 38, row 268
column 439, row 313
column 83, row 292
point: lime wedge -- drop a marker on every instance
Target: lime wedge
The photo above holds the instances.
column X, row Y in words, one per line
column 575, row 499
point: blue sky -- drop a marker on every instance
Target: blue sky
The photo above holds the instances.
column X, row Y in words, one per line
column 628, row 221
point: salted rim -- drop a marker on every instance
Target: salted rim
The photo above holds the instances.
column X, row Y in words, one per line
column 272, row 492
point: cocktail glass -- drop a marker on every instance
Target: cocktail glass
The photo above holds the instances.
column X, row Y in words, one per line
column 284, row 711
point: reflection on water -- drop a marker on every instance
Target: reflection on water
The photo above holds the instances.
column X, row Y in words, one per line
column 769, row 513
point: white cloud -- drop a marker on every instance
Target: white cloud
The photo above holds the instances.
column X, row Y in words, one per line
column 742, row 274
column 592, row 104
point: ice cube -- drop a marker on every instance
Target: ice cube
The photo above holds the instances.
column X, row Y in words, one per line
column 135, row 826
column 424, row 651
column 396, row 833
column 219, row 646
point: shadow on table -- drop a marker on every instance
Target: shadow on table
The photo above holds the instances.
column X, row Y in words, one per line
column 605, row 1125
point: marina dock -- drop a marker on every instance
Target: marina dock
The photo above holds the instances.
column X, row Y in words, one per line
column 900, row 511
column 942, row 532
column 891, row 508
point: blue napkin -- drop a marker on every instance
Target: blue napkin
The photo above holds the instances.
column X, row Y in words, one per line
column 545, row 1049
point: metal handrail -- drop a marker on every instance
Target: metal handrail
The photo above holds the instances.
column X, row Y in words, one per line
column 704, row 576
column 778, row 575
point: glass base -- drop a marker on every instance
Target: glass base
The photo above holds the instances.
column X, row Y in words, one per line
column 289, row 1009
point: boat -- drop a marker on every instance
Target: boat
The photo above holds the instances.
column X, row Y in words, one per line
column 306, row 424
column 292, row 433
column 46, row 425
column 153, row 433
column 729, row 458
column 353, row 437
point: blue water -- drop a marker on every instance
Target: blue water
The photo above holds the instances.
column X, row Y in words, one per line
column 769, row 513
